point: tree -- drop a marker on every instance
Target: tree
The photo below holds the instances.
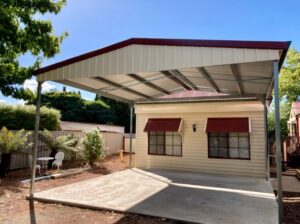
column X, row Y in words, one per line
column 74, row 108
column 64, row 143
column 121, row 110
column 289, row 84
column 285, row 108
column 21, row 32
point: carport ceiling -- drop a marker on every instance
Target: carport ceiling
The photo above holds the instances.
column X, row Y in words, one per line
column 145, row 69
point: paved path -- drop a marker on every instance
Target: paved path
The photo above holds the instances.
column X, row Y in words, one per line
column 194, row 197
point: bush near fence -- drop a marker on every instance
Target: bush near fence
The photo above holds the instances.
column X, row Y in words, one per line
column 18, row 117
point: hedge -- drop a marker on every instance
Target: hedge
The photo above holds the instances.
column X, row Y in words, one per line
column 18, row 117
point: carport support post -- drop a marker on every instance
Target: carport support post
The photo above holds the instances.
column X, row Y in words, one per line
column 130, row 140
column 35, row 137
column 278, row 143
column 266, row 140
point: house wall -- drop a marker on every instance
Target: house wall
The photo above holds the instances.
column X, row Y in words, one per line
column 195, row 144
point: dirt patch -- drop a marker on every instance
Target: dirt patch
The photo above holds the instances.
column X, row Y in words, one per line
column 15, row 209
column 291, row 208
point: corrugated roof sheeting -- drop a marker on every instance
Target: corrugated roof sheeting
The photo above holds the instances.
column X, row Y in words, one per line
column 141, row 58
column 139, row 69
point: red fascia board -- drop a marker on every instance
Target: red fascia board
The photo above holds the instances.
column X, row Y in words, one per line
column 227, row 125
column 163, row 124
column 173, row 42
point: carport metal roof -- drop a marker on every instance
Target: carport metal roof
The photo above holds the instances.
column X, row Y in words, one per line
column 141, row 69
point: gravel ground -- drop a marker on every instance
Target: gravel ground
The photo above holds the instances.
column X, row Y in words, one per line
column 15, row 209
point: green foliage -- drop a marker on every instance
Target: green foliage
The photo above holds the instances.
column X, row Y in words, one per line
column 285, row 108
column 64, row 143
column 74, row 108
column 17, row 117
column 121, row 111
column 21, row 32
column 93, row 145
column 290, row 76
column 13, row 141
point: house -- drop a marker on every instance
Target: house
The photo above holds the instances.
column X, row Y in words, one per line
column 81, row 126
column 212, row 133
column 291, row 145
column 224, row 134
column 294, row 121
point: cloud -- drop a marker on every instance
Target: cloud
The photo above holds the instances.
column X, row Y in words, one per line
column 2, row 101
column 32, row 85
column 20, row 102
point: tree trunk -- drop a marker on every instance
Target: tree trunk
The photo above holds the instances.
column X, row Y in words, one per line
column 5, row 164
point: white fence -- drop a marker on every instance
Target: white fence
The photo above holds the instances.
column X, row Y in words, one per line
column 113, row 142
column 127, row 143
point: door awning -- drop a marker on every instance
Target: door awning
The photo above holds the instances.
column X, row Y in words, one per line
column 163, row 124
column 232, row 124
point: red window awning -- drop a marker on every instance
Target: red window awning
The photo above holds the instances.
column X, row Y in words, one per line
column 232, row 124
column 163, row 124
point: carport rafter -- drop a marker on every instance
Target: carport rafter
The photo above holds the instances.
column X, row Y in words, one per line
column 97, row 91
column 176, row 79
column 148, row 83
column 101, row 79
column 237, row 78
column 209, row 79
column 179, row 75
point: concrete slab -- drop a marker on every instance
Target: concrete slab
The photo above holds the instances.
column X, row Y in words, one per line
column 289, row 184
column 192, row 197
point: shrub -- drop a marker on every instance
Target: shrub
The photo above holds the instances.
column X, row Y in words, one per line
column 63, row 143
column 93, row 145
column 23, row 117
column 12, row 141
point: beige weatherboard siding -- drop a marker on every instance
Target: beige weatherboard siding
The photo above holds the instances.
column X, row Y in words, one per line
column 195, row 144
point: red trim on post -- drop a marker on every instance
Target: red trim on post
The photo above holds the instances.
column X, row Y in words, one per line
column 226, row 125
column 163, row 124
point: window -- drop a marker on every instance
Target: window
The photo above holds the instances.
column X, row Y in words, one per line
column 229, row 145
column 164, row 143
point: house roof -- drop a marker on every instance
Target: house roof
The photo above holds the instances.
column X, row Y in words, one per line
column 81, row 126
column 192, row 94
column 141, row 69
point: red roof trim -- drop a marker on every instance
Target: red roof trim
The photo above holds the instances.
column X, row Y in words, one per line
column 163, row 124
column 227, row 125
column 173, row 42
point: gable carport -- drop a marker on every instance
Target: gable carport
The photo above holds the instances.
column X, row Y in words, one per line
column 142, row 69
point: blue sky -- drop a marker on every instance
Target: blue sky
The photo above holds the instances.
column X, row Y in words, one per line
column 93, row 24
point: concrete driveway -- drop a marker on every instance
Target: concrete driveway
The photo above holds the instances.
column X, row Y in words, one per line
column 185, row 196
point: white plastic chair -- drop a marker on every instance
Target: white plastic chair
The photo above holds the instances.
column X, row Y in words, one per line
column 38, row 167
column 59, row 157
